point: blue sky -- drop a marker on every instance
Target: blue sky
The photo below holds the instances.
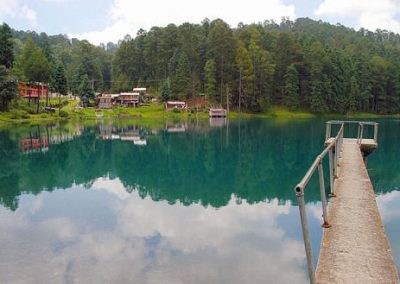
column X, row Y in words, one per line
column 109, row 20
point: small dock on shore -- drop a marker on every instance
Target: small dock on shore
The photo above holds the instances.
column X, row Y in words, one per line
column 354, row 246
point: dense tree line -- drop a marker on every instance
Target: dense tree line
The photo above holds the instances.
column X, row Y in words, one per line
column 65, row 65
column 303, row 65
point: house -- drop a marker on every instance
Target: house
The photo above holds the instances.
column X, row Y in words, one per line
column 141, row 91
column 104, row 101
column 144, row 96
column 128, row 99
column 217, row 112
column 175, row 105
column 32, row 91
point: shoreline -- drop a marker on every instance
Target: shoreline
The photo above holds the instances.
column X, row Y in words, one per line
column 155, row 112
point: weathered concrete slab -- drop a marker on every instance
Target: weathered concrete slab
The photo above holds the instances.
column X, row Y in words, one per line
column 355, row 249
column 367, row 145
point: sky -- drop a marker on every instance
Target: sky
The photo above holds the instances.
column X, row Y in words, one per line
column 102, row 21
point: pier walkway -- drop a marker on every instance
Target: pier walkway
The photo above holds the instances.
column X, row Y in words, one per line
column 354, row 246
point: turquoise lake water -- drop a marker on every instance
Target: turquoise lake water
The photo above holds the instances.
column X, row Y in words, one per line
column 185, row 202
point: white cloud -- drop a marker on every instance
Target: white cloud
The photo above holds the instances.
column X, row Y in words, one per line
column 113, row 186
column 28, row 14
column 127, row 17
column 388, row 205
column 371, row 15
column 14, row 9
column 7, row 7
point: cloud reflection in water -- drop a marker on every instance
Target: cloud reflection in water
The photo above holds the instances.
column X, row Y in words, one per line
column 105, row 235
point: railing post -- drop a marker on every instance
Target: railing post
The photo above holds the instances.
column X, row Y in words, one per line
column 376, row 132
column 306, row 235
column 358, row 133
column 337, row 151
column 341, row 141
column 331, row 173
column 362, row 133
column 328, row 130
column 323, row 196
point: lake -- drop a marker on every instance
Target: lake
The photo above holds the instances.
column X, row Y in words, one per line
column 179, row 202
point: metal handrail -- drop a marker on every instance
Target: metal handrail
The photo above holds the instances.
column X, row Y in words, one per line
column 333, row 150
column 336, row 146
column 361, row 125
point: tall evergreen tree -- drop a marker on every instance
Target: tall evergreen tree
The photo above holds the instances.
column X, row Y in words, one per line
column 165, row 92
column 246, row 73
column 59, row 82
column 85, row 90
column 33, row 64
column 182, row 80
column 8, row 88
column 221, row 45
column 292, row 88
column 6, row 46
column 210, row 79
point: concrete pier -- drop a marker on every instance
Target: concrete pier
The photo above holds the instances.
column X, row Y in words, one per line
column 355, row 249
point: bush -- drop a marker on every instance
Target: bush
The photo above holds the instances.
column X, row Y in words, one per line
column 22, row 104
column 63, row 113
column 18, row 114
column 176, row 110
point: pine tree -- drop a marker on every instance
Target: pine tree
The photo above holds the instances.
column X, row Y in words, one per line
column 85, row 90
column 319, row 83
column 8, row 87
column 221, row 45
column 6, row 46
column 246, row 71
column 59, row 82
column 292, row 88
column 165, row 92
column 182, row 79
column 210, row 79
column 33, row 63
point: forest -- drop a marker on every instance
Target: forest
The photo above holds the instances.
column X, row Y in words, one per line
column 302, row 65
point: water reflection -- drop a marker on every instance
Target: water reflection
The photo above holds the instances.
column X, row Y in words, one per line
column 201, row 165
column 199, row 203
column 107, row 235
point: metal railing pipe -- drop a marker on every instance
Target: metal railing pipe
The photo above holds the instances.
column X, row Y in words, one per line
column 376, row 132
column 302, row 184
column 306, row 236
column 328, row 130
column 323, row 195
column 331, row 173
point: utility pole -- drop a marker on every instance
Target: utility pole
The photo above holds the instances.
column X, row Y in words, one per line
column 240, row 90
column 227, row 99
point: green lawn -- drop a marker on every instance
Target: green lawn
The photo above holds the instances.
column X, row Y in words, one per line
column 22, row 112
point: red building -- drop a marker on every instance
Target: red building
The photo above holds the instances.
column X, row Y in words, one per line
column 31, row 91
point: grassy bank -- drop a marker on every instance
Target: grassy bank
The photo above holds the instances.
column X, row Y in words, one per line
column 147, row 113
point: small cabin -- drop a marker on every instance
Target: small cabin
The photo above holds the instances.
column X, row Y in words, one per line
column 32, row 91
column 129, row 99
column 169, row 105
column 217, row 112
column 104, row 101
